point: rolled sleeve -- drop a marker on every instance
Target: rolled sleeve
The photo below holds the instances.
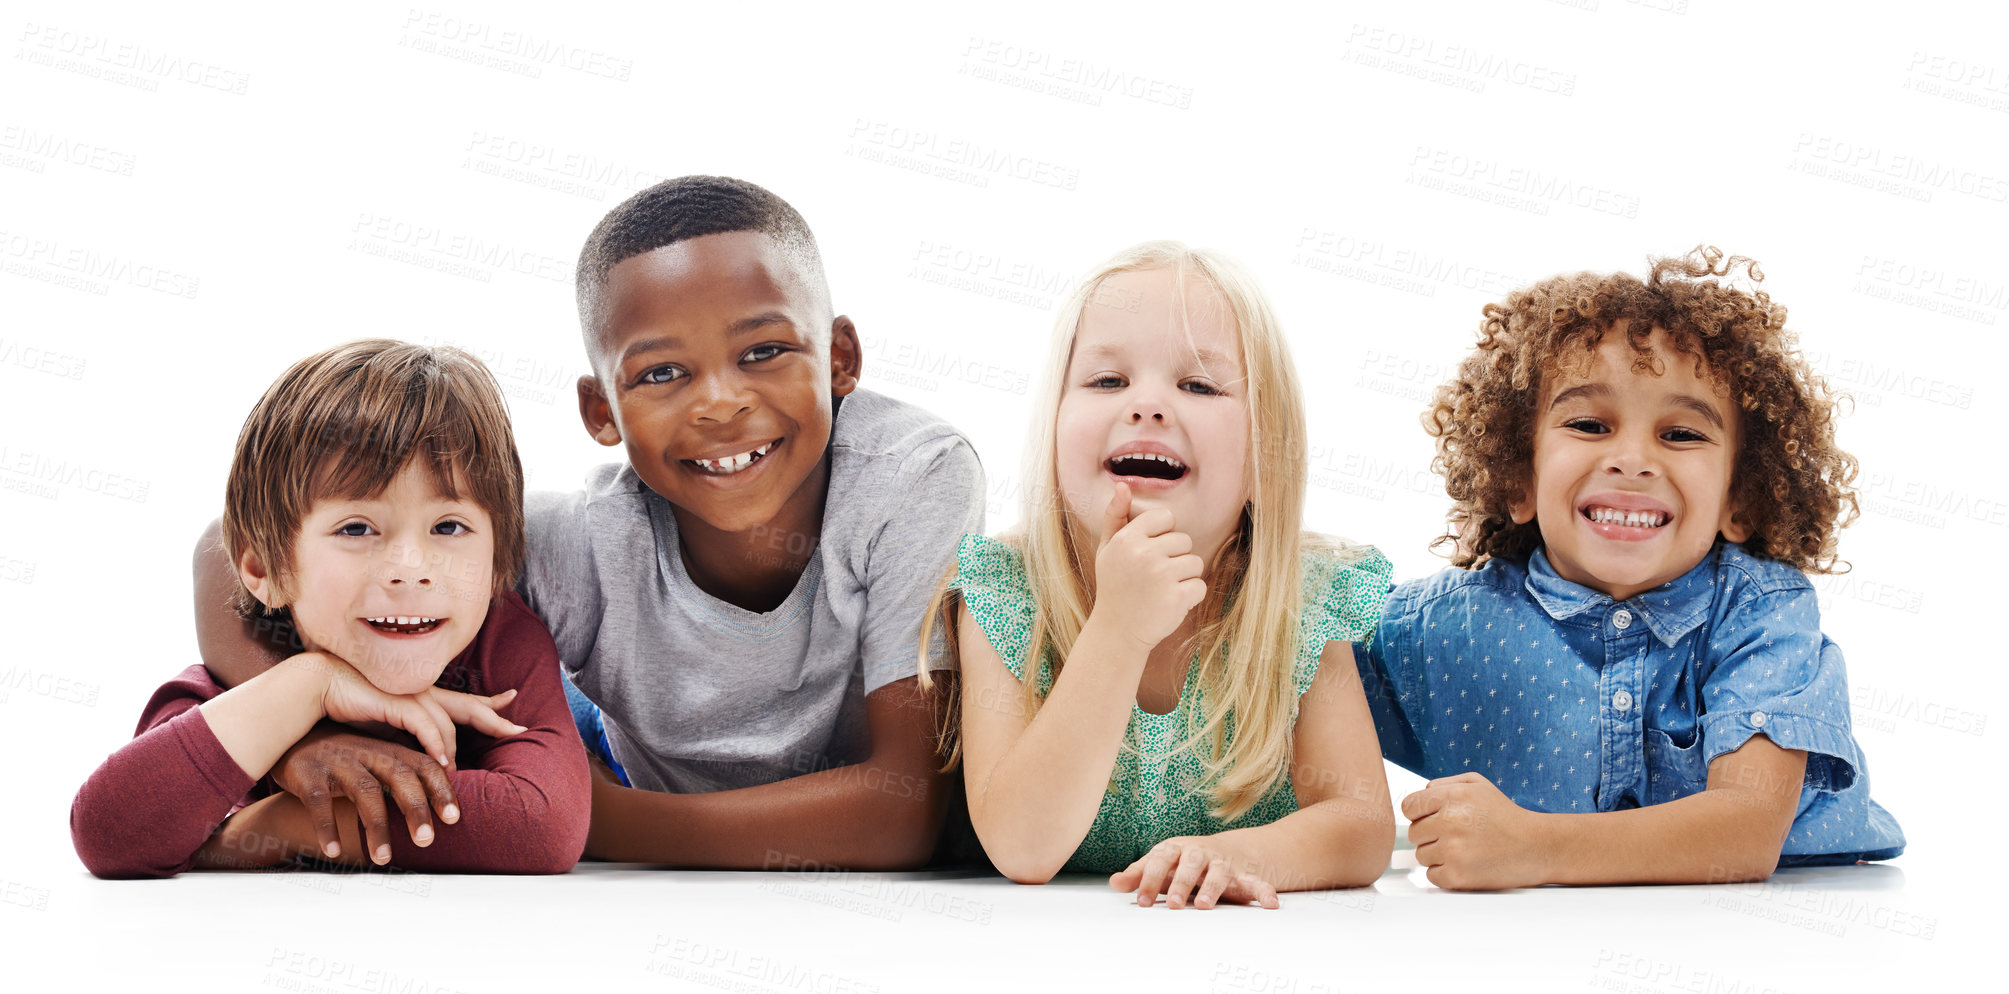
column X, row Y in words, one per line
column 1776, row 674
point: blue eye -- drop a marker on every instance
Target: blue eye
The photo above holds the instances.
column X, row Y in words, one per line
column 451, row 528
column 1201, row 387
column 662, row 374
column 354, row 529
column 1108, row 381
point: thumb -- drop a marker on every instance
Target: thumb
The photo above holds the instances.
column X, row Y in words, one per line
column 1118, row 513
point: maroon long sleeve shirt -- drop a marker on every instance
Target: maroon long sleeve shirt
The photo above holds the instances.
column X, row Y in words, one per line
column 524, row 800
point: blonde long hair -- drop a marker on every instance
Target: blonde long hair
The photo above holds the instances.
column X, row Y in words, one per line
column 1254, row 583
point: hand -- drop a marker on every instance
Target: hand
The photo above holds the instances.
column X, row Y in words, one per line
column 329, row 763
column 1195, row 866
column 429, row 715
column 1472, row 837
column 1146, row 576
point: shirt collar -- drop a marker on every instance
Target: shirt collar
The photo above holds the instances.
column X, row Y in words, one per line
column 1671, row 610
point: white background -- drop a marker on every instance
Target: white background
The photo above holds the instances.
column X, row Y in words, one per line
column 190, row 203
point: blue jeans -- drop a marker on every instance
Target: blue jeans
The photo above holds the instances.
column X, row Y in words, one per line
column 592, row 728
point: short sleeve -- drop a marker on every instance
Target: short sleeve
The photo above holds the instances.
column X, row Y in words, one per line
column 1775, row 672
column 558, row 583
column 937, row 498
column 990, row 575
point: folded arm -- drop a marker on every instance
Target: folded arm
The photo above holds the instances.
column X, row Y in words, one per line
column 880, row 814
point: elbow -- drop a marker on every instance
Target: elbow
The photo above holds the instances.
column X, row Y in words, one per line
column 1024, row 867
column 114, row 852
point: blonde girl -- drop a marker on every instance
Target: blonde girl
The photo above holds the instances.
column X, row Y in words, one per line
column 1193, row 724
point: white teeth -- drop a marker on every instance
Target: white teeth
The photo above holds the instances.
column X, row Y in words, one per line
column 733, row 464
column 400, row 620
column 1167, row 460
column 1632, row 519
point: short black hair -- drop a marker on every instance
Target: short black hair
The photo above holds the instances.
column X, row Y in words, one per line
column 683, row 208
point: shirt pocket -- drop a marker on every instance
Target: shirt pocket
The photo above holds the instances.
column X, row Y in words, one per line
column 1673, row 770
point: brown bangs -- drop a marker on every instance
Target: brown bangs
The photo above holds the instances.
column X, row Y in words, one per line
column 344, row 423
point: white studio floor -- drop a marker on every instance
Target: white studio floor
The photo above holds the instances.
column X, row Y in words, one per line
column 1882, row 927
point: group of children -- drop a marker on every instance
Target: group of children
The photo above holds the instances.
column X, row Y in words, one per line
column 776, row 636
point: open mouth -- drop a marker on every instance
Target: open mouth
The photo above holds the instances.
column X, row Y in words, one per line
column 1631, row 519
column 1146, row 465
column 728, row 465
column 401, row 625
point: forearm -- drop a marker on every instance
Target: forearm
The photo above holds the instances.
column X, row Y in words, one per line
column 1718, row 836
column 509, row 823
column 1341, row 842
column 257, row 722
column 234, row 648
column 864, row 817
column 1036, row 803
column 150, row 806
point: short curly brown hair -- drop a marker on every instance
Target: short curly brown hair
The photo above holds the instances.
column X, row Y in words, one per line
column 1791, row 484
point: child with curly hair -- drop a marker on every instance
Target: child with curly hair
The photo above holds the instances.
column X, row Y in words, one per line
column 1626, row 681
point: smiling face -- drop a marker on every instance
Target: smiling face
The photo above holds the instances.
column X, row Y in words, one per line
column 397, row 584
column 717, row 368
column 1154, row 398
column 1631, row 475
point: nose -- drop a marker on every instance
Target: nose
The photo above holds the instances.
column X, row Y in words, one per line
column 721, row 397
column 1147, row 404
column 409, row 566
column 1633, row 454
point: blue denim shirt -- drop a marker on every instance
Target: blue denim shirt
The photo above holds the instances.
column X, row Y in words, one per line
column 1570, row 701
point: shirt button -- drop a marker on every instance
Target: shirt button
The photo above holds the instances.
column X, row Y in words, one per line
column 1621, row 701
column 1623, row 619
column 1757, row 719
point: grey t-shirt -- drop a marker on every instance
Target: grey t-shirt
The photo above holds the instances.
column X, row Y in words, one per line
column 702, row 695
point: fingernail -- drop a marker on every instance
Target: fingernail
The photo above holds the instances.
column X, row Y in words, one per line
column 517, row 729
column 424, row 835
column 451, row 813
column 384, row 853
column 333, row 849
column 442, row 759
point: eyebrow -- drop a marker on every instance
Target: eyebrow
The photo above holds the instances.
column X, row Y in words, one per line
column 1208, row 357
column 1599, row 391
column 740, row 327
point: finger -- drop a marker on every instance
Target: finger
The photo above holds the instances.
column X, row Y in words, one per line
column 478, row 713
column 1172, row 544
column 1430, row 854
column 1266, row 895
column 1424, row 831
column 1460, row 778
column 1219, row 878
column 1152, row 523
column 410, row 794
column 367, row 794
column 1423, row 803
column 1192, row 591
column 1126, row 879
column 1117, row 514
column 438, row 783
column 320, row 802
column 1157, row 867
column 448, row 731
column 1192, row 865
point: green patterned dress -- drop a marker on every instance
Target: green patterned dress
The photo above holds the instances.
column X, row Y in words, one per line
column 1153, row 792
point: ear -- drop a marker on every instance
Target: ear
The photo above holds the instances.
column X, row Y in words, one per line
column 1733, row 526
column 846, row 357
column 1522, row 508
column 596, row 412
column 252, row 573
